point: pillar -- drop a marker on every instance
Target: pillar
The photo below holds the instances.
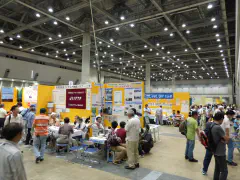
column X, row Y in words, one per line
column 174, row 83
column 148, row 78
column 85, row 77
column 237, row 53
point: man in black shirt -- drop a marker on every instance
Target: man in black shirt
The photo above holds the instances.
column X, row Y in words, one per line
column 219, row 142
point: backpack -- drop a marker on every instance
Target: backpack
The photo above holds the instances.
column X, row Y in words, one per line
column 211, row 145
column 183, row 128
column 113, row 140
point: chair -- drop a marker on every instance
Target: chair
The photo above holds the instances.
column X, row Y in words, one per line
column 112, row 157
column 90, row 151
column 75, row 150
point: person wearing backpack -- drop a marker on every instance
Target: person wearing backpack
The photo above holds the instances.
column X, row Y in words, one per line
column 192, row 128
column 14, row 117
column 114, row 142
column 206, row 139
column 217, row 140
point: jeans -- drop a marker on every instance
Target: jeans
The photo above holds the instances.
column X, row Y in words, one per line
column 230, row 150
column 189, row 149
column 221, row 170
column 29, row 136
column 207, row 160
column 39, row 146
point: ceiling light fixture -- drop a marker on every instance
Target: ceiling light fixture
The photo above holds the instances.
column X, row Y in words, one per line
column 199, row 48
column 157, row 54
column 132, row 25
column 106, row 22
column 183, row 25
column 62, row 42
column 111, row 40
column 150, row 49
column 122, row 18
column 209, row 6
column 50, row 10
column 47, row 54
column 217, row 35
column 117, row 28
column 163, row 48
column 20, row 47
column 1, row 31
column 187, row 31
column 18, row 36
column 38, row 15
column 219, row 45
column 157, row 44
column 71, row 40
column 67, row 18
column 32, row 50
column 10, row 38
column 165, row 29
column 49, row 38
column 171, row 34
column 55, row 22
column 168, row 52
column 218, row 40
column 73, row 53
column 186, row 50
column 215, row 27
column 59, row 35
column 213, row 19
column 108, row 46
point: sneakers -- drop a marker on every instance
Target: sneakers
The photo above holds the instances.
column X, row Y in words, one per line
column 37, row 160
column 204, row 173
column 193, row 160
column 130, row 168
column 232, row 163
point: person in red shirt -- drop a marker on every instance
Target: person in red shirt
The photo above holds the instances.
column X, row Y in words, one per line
column 122, row 132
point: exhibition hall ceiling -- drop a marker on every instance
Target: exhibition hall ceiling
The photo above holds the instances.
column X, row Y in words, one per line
column 180, row 38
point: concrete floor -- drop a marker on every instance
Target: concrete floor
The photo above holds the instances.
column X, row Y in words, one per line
column 166, row 161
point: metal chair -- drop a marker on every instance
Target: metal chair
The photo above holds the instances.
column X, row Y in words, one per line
column 65, row 146
column 90, row 151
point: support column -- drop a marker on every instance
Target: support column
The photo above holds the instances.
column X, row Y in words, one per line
column 86, row 58
column 174, row 83
column 237, row 53
column 148, row 78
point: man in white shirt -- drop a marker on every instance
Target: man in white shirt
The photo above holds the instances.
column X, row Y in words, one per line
column 147, row 112
column 158, row 114
column 14, row 117
column 132, row 140
column 3, row 114
column 20, row 107
column 97, row 127
column 11, row 163
column 227, row 126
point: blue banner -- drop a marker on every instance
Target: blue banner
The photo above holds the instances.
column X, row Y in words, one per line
column 7, row 94
column 159, row 96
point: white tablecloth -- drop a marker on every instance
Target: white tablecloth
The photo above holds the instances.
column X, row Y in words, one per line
column 98, row 140
column 54, row 130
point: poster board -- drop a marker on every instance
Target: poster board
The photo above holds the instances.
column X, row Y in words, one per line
column 7, row 94
column 178, row 101
column 31, row 94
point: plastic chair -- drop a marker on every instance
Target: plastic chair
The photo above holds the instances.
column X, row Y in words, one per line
column 112, row 157
column 90, row 151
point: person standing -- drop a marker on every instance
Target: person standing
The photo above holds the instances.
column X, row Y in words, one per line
column 20, row 107
column 3, row 114
column 159, row 118
column 227, row 126
column 14, row 117
column 132, row 128
column 40, row 125
column 192, row 128
column 11, row 163
column 218, row 146
column 147, row 112
column 29, row 117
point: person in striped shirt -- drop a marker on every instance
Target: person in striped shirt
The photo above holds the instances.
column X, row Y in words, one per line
column 40, row 126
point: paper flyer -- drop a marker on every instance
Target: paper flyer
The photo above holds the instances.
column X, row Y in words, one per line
column 129, row 95
column 108, row 92
column 118, row 97
column 137, row 95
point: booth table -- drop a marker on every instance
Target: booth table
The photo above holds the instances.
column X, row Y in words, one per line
column 54, row 130
column 98, row 140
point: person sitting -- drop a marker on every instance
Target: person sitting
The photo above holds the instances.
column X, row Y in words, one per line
column 113, row 141
column 97, row 127
column 53, row 120
column 236, row 124
column 122, row 132
column 177, row 119
column 145, row 142
column 80, row 125
column 65, row 132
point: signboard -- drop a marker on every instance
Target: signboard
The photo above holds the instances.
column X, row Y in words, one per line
column 76, row 98
column 7, row 94
column 159, row 96
column 30, row 94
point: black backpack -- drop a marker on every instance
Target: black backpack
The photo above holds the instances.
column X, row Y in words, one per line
column 211, row 145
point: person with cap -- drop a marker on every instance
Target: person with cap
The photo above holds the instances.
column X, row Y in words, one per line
column 28, row 117
column 97, row 127
column 132, row 128
column 40, row 125
column 227, row 126
column 11, row 163
column 236, row 124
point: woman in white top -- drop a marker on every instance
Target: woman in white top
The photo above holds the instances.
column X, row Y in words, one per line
column 80, row 125
column 53, row 120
